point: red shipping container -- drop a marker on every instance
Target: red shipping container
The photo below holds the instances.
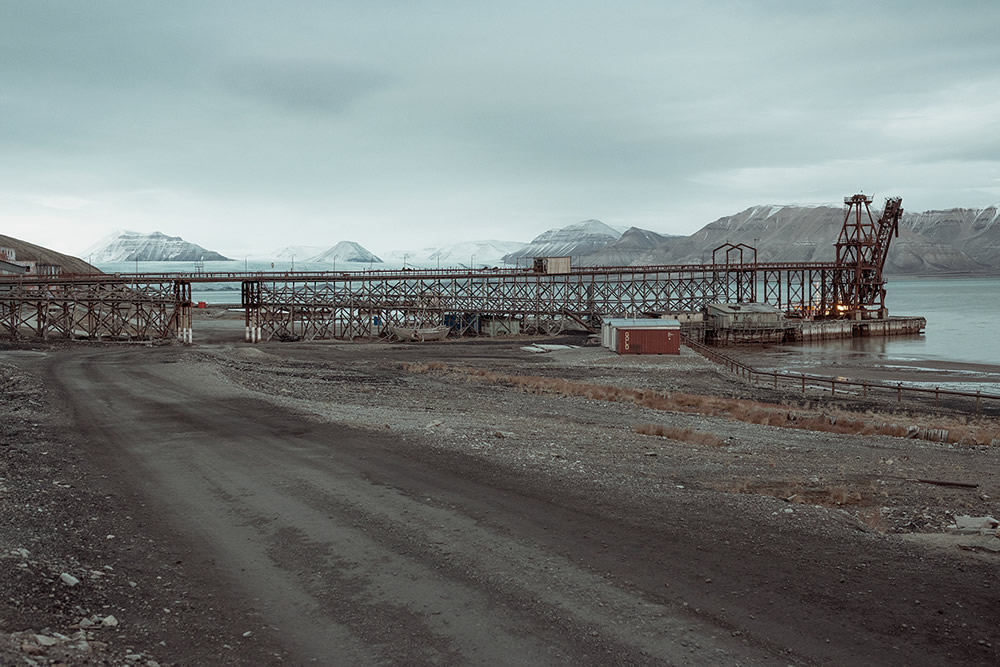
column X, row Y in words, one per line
column 649, row 341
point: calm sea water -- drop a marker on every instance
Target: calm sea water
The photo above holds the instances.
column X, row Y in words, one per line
column 963, row 315
column 963, row 324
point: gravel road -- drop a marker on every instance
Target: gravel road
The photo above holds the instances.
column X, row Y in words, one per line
column 326, row 503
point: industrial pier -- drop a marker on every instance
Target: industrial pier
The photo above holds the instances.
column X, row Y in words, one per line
column 802, row 301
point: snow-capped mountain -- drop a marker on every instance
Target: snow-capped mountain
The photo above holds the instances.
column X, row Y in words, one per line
column 582, row 238
column 300, row 252
column 975, row 231
column 467, row 253
column 955, row 241
column 634, row 244
column 346, row 251
column 125, row 246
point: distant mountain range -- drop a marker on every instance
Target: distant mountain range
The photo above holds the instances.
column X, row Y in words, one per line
column 576, row 240
column 124, row 246
column 345, row 251
column 953, row 241
column 464, row 254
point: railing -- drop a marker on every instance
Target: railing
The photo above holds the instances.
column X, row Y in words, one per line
column 420, row 273
column 803, row 380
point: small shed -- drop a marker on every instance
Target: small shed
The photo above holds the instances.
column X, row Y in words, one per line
column 10, row 267
column 44, row 269
column 641, row 336
column 552, row 265
column 745, row 315
column 496, row 326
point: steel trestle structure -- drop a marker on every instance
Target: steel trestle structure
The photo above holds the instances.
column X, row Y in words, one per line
column 369, row 304
column 98, row 307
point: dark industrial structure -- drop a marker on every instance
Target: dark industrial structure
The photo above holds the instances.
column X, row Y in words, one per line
column 544, row 298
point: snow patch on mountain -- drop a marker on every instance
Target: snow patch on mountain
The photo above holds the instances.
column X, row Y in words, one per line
column 465, row 254
column 581, row 238
column 126, row 246
column 302, row 252
column 346, row 251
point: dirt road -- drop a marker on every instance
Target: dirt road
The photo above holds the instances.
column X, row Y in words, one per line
column 296, row 540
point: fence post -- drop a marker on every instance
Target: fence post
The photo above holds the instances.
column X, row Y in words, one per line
column 833, row 387
column 936, row 390
column 803, row 384
column 977, row 401
column 899, row 392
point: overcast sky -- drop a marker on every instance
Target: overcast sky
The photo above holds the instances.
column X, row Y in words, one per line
column 245, row 126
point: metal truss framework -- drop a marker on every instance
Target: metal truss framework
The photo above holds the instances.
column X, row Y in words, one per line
column 369, row 304
column 96, row 308
column 863, row 247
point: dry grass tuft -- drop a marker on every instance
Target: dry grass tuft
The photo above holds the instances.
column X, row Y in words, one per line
column 680, row 434
column 873, row 520
column 954, row 430
column 839, row 494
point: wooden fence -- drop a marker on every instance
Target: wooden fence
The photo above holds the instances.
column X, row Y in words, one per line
column 776, row 379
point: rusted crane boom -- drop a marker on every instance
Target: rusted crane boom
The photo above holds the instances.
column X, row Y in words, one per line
column 862, row 249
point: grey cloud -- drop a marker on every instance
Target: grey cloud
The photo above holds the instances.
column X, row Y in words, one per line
column 305, row 86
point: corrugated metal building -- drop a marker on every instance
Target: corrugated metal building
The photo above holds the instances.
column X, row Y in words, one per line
column 552, row 265
column 736, row 315
column 10, row 267
column 641, row 336
column 745, row 323
column 500, row 327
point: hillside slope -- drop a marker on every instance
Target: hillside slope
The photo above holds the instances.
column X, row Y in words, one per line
column 30, row 252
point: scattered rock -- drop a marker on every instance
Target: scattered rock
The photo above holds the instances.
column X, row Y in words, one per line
column 68, row 579
column 972, row 525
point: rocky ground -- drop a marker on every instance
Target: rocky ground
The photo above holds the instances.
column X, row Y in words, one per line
column 85, row 579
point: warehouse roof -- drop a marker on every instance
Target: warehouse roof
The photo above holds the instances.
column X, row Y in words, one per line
column 641, row 323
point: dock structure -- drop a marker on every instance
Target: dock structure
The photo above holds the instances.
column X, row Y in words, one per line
column 543, row 298
column 367, row 304
column 96, row 307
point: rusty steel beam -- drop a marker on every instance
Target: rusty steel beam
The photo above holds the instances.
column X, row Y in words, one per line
column 369, row 304
column 134, row 309
column 352, row 304
column 862, row 250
